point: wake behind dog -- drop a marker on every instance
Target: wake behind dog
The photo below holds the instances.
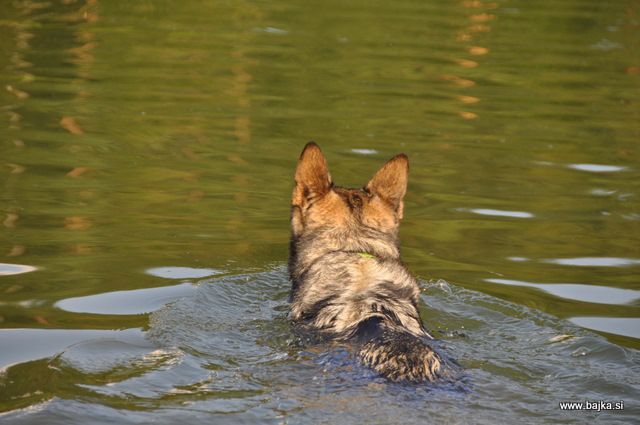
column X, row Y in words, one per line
column 348, row 281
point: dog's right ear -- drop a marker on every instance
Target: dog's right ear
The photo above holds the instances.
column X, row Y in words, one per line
column 312, row 175
column 390, row 182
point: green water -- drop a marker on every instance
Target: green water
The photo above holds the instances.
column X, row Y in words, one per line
column 148, row 145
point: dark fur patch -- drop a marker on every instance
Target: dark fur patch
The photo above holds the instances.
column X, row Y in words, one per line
column 316, row 308
column 368, row 329
column 401, row 357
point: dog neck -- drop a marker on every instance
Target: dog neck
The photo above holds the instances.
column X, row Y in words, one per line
column 307, row 249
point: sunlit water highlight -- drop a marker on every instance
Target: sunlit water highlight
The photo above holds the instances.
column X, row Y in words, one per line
column 579, row 292
column 9, row 269
column 136, row 301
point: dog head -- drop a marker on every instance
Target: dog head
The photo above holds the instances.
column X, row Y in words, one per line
column 318, row 203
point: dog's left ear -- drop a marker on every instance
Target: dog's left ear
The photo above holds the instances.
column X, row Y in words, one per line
column 390, row 182
column 312, row 175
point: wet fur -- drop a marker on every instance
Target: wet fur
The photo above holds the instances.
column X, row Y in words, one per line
column 348, row 281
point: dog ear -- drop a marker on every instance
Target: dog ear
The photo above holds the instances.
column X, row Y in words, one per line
column 312, row 175
column 390, row 182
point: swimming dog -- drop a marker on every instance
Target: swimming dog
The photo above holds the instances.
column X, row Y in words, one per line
column 347, row 280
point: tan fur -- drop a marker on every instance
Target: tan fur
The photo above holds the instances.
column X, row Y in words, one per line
column 347, row 277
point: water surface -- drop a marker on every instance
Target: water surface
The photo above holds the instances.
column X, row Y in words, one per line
column 147, row 152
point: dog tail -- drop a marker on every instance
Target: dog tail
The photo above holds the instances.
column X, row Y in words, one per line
column 401, row 356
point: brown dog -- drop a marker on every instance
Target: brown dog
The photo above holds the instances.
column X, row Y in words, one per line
column 347, row 278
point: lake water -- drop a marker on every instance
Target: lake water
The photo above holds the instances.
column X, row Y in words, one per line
column 147, row 151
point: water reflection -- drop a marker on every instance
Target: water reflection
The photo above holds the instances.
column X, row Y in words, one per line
column 137, row 301
column 272, row 30
column 595, row 261
column 597, row 168
column 602, row 192
column 10, row 220
column 518, row 259
column 17, row 250
column 364, row 151
column 627, row 326
column 70, row 124
column 10, row 269
column 23, row 345
column 579, row 292
column 499, row 213
column 478, row 24
column 182, row 272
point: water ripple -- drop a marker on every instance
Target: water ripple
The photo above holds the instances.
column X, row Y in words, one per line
column 579, row 292
column 22, row 345
column 364, row 151
column 9, row 269
column 627, row 326
column 182, row 272
column 597, row 168
column 136, row 301
column 500, row 213
column 227, row 349
column 595, row 261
